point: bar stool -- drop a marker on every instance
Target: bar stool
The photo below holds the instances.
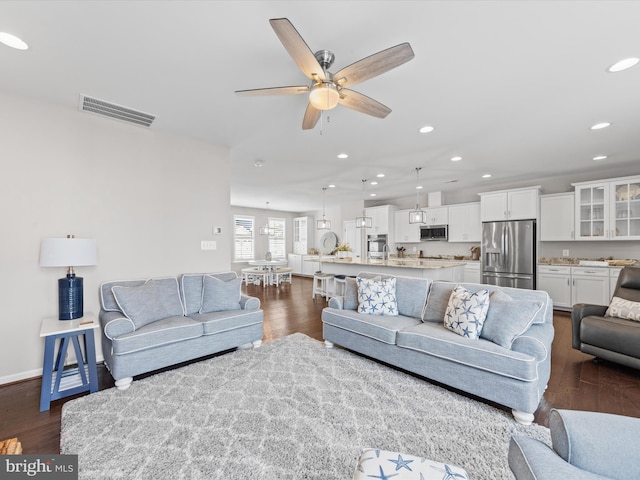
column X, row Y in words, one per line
column 339, row 284
column 320, row 283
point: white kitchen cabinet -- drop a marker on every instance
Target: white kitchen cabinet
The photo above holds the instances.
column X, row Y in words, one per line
column 624, row 213
column 592, row 211
column 556, row 281
column 516, row 204
column 310, row 264
column 472, row 272
column 590, row 285
column 295, row 263
column 608, row 209
column 405, row 232
column 381, row 219
column 302, row 234
column 464, row 222
column 557, row 217
column 437, row 215
column 614, row 273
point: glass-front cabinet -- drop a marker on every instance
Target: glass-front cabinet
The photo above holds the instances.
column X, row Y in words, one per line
column 625, row 211
column 592, row 217
column 608, row 209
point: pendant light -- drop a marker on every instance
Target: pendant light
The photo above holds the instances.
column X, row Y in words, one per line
column 418, row 215
column 363, row 221
column 266, row 229
column 323, row 224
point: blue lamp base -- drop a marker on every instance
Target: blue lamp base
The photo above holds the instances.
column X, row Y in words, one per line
column 70, row 301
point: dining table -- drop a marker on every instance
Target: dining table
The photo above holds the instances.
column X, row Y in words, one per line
column 269, row 265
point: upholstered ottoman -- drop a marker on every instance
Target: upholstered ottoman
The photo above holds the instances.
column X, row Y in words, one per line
column 375, row 463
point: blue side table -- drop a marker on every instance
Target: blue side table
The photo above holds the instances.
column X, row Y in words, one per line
column 58, row 381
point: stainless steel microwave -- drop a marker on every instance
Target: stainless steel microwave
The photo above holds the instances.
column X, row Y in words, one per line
column 434, row 233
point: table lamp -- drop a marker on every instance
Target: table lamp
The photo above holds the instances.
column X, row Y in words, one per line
column 69, row 252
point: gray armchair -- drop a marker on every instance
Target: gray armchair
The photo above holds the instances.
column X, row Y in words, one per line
column 610, row 338
column 586, row 446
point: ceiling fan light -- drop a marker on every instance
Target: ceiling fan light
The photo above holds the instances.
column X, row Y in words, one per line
column 324, row 96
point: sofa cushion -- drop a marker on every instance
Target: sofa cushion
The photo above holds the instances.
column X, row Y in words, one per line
column 350, row 294
column 377, row 297
column 440, row 291
column 224, row 321
column 508, row 319
column 466, row 312
column 219, row 295
column 434, row 339
column 378, row 327
column 162, row 332
column 611, row 333
column 154, row 300
column 622, row 308
column 191, row 288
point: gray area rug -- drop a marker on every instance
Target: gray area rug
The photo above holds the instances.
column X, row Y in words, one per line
column 291, row 409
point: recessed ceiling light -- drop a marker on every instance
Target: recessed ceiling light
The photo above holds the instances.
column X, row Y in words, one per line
column 12, row 41
column 600, row 126
column 600, row 157
column 331, row 186
column 419, row 187
column 486, row 175
column 380, row 175
column 456, row 159
column 426, row 129
column 623, row 64
column 343, row 155
column 373, row 183
column 258, row 163
column 372, row 194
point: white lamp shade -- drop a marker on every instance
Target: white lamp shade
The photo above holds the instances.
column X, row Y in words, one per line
column 68, row 252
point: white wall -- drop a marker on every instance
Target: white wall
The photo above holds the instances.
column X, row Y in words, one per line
column 148, row 199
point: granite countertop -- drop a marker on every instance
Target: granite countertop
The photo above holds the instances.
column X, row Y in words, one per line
column 411, row 262
column 567, row 261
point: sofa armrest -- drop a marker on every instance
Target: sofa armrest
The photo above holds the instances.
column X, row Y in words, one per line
column 115, row 324
column 578, row 312
column 601, row 443
column 530, row 459
column 536, row 341
column 337, row 302
column 249, row 303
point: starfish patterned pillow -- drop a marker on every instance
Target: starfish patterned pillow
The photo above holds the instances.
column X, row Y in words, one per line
column 466, row 311
column 374, row 463
column 377, row 297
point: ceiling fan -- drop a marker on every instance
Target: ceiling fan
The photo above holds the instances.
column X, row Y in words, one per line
column 327, row 89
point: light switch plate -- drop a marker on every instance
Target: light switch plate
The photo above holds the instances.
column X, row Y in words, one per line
column 208, row 245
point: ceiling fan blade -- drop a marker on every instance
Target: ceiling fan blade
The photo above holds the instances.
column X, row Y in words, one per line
column 362, row 103
column 297, row 48
column 311, row 117
column 293, row 90
column 374, row 65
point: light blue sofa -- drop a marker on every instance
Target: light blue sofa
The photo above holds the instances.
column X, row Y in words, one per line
column 417, row 341
column 155, row 323
column 586, row 446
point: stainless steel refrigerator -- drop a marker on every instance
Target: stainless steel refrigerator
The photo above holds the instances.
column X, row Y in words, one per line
column 509, row 253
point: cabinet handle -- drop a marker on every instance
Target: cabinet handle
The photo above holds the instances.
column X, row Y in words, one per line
column 573, row 282
column 568, row 282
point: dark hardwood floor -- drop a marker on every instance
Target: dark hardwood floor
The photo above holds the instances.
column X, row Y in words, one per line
column 577, row 382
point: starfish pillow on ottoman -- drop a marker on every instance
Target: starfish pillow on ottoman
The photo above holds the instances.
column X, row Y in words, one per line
column 382, row 464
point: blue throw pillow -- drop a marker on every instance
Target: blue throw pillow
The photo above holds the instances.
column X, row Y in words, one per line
column 219, row 295
column 154, row 300
column 508, row 319
column 466, row 311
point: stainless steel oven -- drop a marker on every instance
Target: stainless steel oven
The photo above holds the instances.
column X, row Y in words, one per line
column 434, row 233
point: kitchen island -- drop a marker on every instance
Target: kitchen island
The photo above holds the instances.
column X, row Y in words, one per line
column 452, row 271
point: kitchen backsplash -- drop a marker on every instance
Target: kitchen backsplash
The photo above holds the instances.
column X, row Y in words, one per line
column 590, row 249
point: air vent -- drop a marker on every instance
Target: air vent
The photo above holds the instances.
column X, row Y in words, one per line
column 100, row 107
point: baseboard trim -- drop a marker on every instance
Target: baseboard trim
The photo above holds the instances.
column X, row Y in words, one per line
column 30, row 374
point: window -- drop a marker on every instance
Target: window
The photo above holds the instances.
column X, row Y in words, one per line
column 243, row 244
column 277, row 240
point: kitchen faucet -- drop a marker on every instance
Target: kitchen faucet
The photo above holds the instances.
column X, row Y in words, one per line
column 385, row 252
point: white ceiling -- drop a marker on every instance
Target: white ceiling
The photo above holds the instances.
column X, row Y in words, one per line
column 512, row 87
